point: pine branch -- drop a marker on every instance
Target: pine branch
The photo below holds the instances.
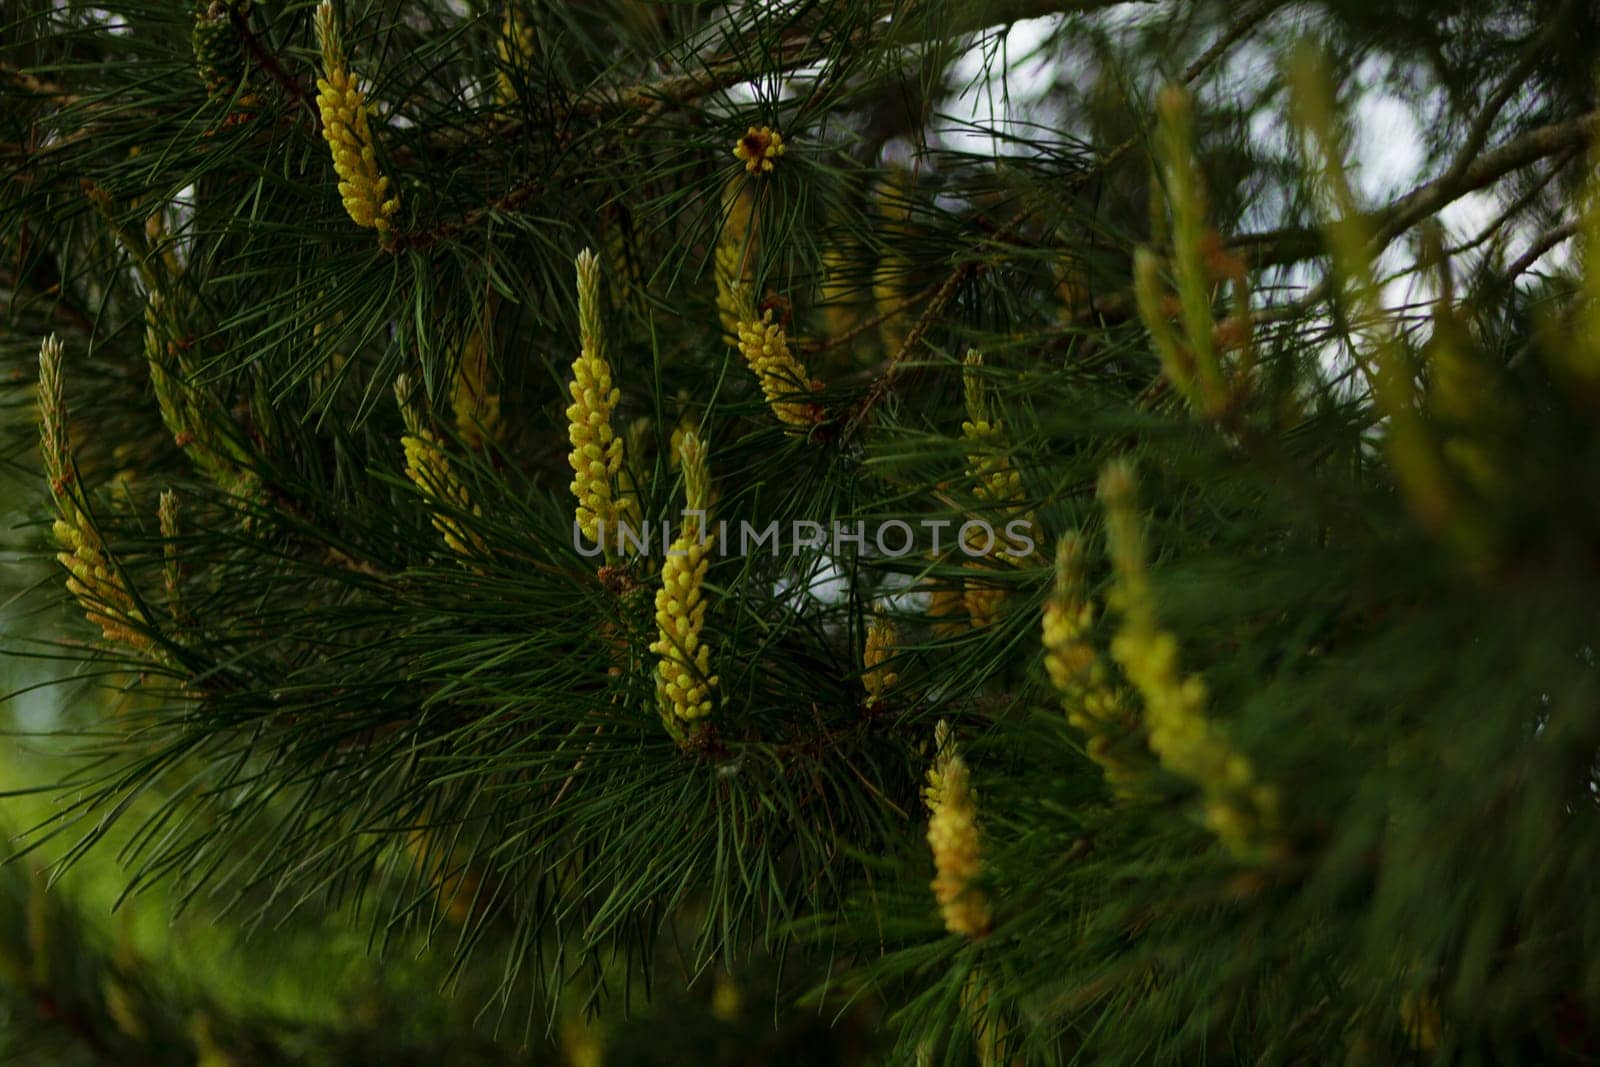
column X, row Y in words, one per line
column 730, row 68
column 1280, row 247
column 388, row 681
column 1565, row 140
column 1534, row 52
column 1544, row 243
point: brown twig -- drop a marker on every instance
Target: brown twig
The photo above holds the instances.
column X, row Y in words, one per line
column 1539, row 247
column 1518, row 206
column 882, row 384
column 875, row 321
column 643, row 96
column 510, row 200
column 269, row 62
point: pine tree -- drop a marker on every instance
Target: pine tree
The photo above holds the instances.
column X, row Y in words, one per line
column 655, row 509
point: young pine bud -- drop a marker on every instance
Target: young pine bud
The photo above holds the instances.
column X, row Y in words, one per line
column 683, row 673
column 514, row 47
column 997, row 485
column 53, row 442
column 362, row 186
column 1175, row 151
column 430, row 470
column 997, row 481
column 879, row 649
column 596, row 456
column 890, row 290
column 472, row 399
column 954, row 840
column 735, row 256
column 1421, row 1021
column 1150, row 295
column 1414, row 452
column 765, row 347
column 1239, row 811
column 1094, row 706
column 93, row 576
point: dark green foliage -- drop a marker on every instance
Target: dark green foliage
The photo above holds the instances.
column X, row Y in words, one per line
column 335, row 711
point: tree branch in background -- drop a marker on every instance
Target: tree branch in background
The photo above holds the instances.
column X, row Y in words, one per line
column 799, row 50
column 1536, row 251
column 1280, row 247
